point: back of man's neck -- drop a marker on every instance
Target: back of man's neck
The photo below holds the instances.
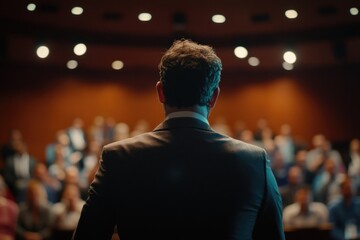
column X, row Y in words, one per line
column 202, row 110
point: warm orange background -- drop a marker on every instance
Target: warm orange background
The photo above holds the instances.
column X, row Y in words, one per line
column 41, row 101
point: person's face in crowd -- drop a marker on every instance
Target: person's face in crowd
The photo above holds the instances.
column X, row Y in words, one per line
column 71, row 196
column 303, row 199
column 318, row 141
column 294, row 176
column 300, row 158
column 40, row 171
column 34, row 196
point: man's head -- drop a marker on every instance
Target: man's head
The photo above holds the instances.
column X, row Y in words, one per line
column 189, row 75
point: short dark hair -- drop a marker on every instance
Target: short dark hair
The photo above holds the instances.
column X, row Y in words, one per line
column 189, row 73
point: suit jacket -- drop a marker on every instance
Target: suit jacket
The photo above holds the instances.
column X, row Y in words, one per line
column 182, row 181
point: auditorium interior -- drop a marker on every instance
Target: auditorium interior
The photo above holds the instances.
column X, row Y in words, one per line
column 76, row 75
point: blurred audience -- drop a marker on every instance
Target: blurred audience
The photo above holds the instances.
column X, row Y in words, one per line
column 48, row 195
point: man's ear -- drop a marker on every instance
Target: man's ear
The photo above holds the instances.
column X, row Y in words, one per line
column 160, row 92
column 214, row 97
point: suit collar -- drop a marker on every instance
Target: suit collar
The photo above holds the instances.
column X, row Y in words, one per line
column 183, row 122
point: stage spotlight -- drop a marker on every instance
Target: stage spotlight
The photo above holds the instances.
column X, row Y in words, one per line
column 42, row 51
column 117, row 65
column 291, row 14
column 144, row 17
column 31, row 7
column 354, row 11
column 287, row 66
column 72, row 64
column 289, row 57
column 253, row 61
column 80, row 49
column 77, row 10
column 241, row 52
column 218, row 18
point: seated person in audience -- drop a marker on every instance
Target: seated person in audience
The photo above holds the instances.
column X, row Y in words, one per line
column 58, row 168
column 295, row 181
column 18, row 170
column 304, row 212
column 72, row 176
column 286, row 144
column 300, row 161
column 52, row 185
column 34, row 221
column 279, row 169
column 8, row 214
column 326, row 184
column 345, row 213
column 322, row 151
column 76, row 134
column 91, row 160
column 62, row 144
column 67, row 212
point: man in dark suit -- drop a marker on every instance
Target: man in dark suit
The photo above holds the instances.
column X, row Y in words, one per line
column 183, row 180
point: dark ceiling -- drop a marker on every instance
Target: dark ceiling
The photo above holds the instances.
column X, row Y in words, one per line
column 324, row 35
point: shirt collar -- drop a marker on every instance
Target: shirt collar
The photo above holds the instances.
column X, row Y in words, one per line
column 190, row 114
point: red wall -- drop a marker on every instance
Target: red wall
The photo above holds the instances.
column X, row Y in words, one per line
column 40, row 102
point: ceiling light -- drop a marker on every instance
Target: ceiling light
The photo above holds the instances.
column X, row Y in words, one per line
column 77, row 10
column 31, row 7
column 117, row 65
column 80, row 49
column 288, row 66
column 42, row 51
column 289, row 57
column 72, row 64
column 144, row 17
column 240, row 52
column 354, row 11
column 291, row 14
column 253, row 61
column 218, row 18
